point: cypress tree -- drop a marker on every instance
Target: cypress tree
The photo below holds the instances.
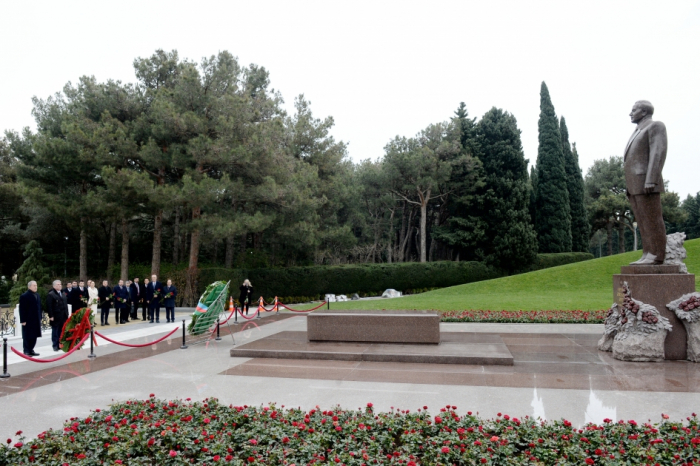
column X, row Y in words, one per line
column 552, row 199
column 533, row 195
column 31, row 269
column 580, row 228
column 510, row 240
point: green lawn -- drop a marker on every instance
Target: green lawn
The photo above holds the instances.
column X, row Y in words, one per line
column 584, row 285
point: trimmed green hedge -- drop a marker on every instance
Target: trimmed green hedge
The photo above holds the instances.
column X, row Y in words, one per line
column 545, row 261
column 315, row 281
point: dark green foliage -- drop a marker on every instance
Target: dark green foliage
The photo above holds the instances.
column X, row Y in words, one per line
column 691, row 226
column 510, row 242
column 580, row 228
column 553, row 221
column 311, row 283
column 31, row 269
column 545, row 261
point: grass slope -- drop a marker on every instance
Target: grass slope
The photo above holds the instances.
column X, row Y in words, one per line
column 583, row 285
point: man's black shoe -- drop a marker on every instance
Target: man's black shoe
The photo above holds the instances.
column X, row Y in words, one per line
column 33, row 353
column 106, row 323
column 55, row 348
column 150, row 321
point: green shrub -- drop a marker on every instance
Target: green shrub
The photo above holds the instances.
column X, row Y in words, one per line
column 545, row 261
column 301, row 284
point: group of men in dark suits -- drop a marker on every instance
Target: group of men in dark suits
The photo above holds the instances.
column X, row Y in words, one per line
column 76, row 295
column 126, row 300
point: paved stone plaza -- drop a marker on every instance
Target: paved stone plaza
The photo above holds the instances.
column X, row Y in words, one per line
column 557, row 372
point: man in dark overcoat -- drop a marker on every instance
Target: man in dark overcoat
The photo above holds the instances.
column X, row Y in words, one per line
column 121, row 299
column 154, row 294
column 105, row 297
column 82, row 297
column 30, row 318
column 169, row 295
column 57, row 309
column 135, row 296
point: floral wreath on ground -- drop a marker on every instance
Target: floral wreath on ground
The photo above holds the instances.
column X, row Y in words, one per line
column 76, row 327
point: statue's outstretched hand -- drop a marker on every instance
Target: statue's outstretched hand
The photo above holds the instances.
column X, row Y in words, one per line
column 649, row 187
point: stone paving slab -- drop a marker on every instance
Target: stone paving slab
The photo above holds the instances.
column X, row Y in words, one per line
column 456, row 348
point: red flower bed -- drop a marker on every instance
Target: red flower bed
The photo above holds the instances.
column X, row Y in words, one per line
column 162, row 432
column 555, row 317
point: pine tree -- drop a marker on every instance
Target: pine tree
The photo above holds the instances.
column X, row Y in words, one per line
column 533, row 195
column 31, row 269
column 511, row 242
column 552, row 199
column 580, row 228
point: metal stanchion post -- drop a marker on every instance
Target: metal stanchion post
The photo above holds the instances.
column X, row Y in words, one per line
column 218, row 335
column 92, row 354
column 4, row 374
column 184, row 343
column 235, row 316
column 328, row 302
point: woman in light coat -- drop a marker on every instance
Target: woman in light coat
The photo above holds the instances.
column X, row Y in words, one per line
column 92, row 297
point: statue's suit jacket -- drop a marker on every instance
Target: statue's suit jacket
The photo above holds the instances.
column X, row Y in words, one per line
column 645, row 155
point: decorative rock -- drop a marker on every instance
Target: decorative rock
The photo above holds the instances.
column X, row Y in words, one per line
column 675, row 252
column 330, row 298
column 641, row 333
column 341, row 297
column 640, row 347
column 355, row 297
column 391, row 293
column 687, row 309
column 612, row 326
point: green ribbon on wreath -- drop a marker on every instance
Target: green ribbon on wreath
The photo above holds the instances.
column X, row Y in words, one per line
column 75, row 328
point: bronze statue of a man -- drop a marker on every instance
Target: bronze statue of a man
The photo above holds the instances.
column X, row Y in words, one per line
column 645, row 155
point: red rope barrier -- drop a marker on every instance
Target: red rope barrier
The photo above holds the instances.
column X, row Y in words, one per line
column 308, row 310
column 136, row 346
column 29, row 358
column 257, row 311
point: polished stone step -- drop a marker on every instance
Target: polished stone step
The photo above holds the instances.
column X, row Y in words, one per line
column 454, row 348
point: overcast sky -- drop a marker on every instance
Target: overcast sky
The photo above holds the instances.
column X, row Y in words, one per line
column 383, row 69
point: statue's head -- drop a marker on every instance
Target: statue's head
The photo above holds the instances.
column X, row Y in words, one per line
column 640, row 110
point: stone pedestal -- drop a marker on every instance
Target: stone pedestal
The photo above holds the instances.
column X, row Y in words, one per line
column 374, row 326
column 658, row 285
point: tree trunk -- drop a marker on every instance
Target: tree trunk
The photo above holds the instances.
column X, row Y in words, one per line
column 431, row 252
column 157, row 233
column 125, row 250
column 423, row 223
column 391, row 231
column 609, row 232
column 112, row 253
column 228, row 261
column 244, row 240
column 83, row 248
column 404, row 245
column 621, row 239
column 216, row 252
column 194, row 256
column 176, row 237
column 194, row 240
column 402, row 233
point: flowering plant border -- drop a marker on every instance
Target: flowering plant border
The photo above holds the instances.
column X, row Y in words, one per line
column 178, row 432
column 532, row 316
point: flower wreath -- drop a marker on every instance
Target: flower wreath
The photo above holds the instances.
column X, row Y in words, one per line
column 75, row 328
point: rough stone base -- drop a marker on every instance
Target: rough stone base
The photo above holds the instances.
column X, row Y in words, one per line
column 693, row 330
column 606, row 342
column 640, row 347
column 658, row 290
